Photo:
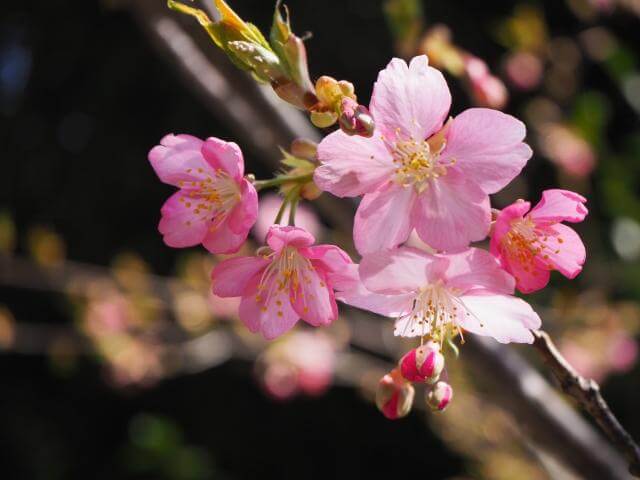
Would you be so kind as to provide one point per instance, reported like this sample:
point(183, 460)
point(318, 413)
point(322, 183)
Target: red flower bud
point(423, 364)
point(439, 396)
point(355, 119)
point(394, 396)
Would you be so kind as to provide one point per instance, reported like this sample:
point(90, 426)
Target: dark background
point(83, 97)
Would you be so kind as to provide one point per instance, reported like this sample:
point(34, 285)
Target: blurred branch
point(587, 393)
point(261, 122)
point(551, 424)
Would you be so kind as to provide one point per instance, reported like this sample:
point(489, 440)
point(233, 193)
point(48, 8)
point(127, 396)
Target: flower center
point(212, 197)
point(527, 245)
point(434, 313)
point(283, 279)
point(418, 162)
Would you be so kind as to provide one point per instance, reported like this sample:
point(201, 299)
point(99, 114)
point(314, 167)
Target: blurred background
point(117, 363)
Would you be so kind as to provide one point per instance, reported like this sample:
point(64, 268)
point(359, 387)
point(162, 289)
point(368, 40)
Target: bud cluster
point(425, 365)
point(337, 102)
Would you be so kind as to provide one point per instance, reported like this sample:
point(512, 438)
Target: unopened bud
point(323, 119)
point(355, 119)
point(303, 148)
point(439, 396)
point(263, 62)
point(328, 90)
point(423, 364)
point(394, 396)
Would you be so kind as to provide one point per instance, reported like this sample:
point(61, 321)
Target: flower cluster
point(422, 171)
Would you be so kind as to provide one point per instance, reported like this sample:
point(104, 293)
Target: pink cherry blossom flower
point(303, 362)
point(417, 173)
point(487, 89)
point(288, 280)
point(215, 205)
point(529, 244)
point(440, 295)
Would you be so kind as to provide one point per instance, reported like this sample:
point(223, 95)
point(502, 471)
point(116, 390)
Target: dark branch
point(587, 393)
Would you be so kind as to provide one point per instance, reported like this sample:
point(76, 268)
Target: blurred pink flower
point(290, 279)
point(622, 352)
point(524, 70)
point(436, 294)
point(306, 218)
point(215, 205)
point(415, 172)
point(302, 362)
point(487, 89)
point(529, 244)
point(567, 150)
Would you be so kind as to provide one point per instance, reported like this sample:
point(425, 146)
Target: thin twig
point(587, 393)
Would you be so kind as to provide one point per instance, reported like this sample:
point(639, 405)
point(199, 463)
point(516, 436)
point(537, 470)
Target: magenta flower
point(417, 173)
point(215, 206)
point(530, 245)
point(441, 295)
point(288, 280)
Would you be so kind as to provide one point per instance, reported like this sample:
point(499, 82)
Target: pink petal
point(379, 223)
point(279, 237)
point(559, 205)
point(503, 317)
point(245, 213)
point(565, 250)
point(350, 290)
point(534, 278)
point(223, 155)
point(221, 239)
point(314, 300)
point(400, 271)
point(179, 225)
point(487, 146)
point(328, 257)
point(230, 277)
point(502, 225)
point(414, 99)
point(178, 158)
point(352, 165)
point(476, 269)
point(272, 315)
point(451, 213)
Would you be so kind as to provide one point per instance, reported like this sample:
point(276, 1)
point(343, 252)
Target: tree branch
point(587, 393)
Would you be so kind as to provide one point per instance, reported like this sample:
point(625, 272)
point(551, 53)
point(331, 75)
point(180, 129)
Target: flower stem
point(294, 206)
point(280, 180)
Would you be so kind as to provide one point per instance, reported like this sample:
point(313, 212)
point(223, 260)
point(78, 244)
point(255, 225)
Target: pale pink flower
point(215, 206)
point(288, 280)
point(529, 244)
point(524, 70)
point(270, 204)
point(414, 173)
point(487, 89)
point(302, 362)
point(440, 295)
point(570, 152)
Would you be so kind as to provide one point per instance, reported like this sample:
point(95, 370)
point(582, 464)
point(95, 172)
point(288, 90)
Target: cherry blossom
point(529, 244)
point(215, 205)
point(418, 172)
point(289, 279)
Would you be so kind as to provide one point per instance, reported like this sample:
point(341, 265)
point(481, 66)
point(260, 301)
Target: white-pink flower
point(529, 244)
point(215, 206)
point(439, 295)
point(415, 172)
point(288, 280)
